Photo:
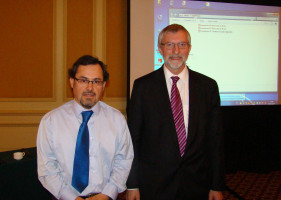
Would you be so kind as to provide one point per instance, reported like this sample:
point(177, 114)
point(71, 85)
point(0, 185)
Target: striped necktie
point(177, 110)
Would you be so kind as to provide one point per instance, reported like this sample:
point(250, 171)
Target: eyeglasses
point(85, 82)
point(170, 45)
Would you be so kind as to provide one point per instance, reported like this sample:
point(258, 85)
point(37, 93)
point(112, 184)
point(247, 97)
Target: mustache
point(87, 93)
point(175, 56)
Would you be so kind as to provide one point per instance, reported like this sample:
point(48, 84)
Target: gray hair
point(173, 28)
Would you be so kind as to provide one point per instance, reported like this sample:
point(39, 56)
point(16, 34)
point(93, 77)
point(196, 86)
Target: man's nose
point(90, 85)
point(176, 49)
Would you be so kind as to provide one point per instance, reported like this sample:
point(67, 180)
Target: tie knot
point(175, 79)
point(86, 115)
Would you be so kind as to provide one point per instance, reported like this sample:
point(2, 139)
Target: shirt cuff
point(110, 190)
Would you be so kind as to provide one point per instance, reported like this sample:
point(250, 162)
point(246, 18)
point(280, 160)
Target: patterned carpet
point(253, 186)
point(250, 186)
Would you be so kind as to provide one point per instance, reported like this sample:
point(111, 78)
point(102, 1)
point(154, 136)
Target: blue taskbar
point(241, 99)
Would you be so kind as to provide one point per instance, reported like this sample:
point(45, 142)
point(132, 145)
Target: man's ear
point(160, 50)
point(104, 83)
point(189, 48)
point(71, 82)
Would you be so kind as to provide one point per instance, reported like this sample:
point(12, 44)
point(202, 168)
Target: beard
point(175, 64)
point(87, 103)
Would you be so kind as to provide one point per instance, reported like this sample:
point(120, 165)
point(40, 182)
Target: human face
point(87, 95)
point(174, 58)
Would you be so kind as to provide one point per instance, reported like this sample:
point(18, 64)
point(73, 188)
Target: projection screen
point(236, 44)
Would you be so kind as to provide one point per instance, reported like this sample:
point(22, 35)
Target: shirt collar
point(183, 75)
point(78, 109)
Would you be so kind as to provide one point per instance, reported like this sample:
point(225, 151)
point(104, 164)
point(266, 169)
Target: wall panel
point(14, 140)
point(26, 51)
point(39, 41)
point(116, 47)
point(79, 32)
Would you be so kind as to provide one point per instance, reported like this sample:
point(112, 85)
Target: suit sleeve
point(216, 141)
point(135, 120)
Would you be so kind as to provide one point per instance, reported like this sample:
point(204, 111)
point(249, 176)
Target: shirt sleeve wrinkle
point(49, 171)
point(123, 159)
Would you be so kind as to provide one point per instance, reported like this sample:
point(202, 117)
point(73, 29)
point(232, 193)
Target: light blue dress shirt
point(111, 151)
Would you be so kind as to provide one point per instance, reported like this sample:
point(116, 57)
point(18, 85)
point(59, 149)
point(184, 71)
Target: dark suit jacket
point(158, 169)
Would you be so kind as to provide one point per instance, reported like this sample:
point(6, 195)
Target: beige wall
point(39, 42)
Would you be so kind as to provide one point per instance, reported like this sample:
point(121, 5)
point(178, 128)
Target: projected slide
point(235, 44)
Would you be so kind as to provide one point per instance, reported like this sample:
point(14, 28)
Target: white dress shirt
point(183, 87)
point(110, 150)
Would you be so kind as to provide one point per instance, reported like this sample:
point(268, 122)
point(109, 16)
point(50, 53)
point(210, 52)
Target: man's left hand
point(215, 195)
point(99, 197)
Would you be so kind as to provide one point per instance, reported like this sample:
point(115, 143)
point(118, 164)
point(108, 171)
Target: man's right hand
point(133, 194)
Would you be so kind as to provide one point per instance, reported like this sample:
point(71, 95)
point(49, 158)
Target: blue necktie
point(80, 176)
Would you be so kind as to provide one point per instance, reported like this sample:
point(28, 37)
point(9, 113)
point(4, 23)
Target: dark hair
point(88, 60)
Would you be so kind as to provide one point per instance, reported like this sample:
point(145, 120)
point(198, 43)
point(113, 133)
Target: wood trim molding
point(17, 118)
point(64, 55)
point(13, 125)
point(53, 99)
point(23, 113)
point(100, 30)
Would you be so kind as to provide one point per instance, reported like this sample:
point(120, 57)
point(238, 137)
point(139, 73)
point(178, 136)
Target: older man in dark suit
point(174, 120)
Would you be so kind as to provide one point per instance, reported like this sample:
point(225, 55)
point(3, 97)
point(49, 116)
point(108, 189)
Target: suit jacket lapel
point(193, 98)
point(163, 97)
point(165, 104)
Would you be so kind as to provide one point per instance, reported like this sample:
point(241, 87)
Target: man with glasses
point(174, 121)
point(84, 147)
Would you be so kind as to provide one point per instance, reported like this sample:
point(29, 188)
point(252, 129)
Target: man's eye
point(99, 82)
point(169, 44)
point(182, 44)
point(84, 81)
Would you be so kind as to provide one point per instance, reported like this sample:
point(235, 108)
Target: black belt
point(91, 195)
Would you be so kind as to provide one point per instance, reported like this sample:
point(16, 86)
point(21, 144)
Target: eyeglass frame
point(84, 81)
point(174, 45)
